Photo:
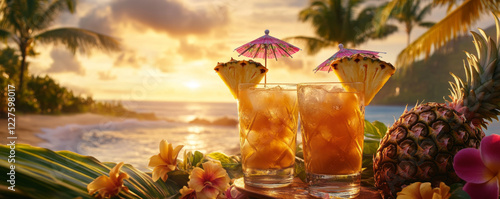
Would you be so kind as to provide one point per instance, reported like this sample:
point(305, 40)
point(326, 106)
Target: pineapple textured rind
point(358, 68)
point(420, 146)
point(235, 72)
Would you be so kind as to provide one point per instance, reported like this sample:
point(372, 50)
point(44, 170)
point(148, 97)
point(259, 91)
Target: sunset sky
point(170, 47)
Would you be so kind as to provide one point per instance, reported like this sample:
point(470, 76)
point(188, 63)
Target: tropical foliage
point(411, 15)
point(27, 22)
point(460, 15)
point(335, 21)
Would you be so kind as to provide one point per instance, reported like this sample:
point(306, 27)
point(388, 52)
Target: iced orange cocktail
point(332, 125)
point(268, 115)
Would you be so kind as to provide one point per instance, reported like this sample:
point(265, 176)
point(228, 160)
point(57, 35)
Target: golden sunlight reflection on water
point(193, 141)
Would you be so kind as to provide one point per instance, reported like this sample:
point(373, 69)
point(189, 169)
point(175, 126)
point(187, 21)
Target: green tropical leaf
point(179, 177)
point(300, 169)
point(223, 158)
point(375, 129)
point(230, 163)
point(42, 173)
point(367, 170)
point(374, 132)
point(197, 158)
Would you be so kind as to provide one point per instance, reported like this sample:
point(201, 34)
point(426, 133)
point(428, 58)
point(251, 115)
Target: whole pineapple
point(421, 144)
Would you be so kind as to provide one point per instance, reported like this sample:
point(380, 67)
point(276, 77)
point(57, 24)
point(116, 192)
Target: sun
point(192, 84)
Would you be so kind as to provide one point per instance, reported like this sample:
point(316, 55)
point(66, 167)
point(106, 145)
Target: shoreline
point(28, 126)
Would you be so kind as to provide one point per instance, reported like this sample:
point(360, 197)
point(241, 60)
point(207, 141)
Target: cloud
point(98, 20)
point(190, 51)
point(65, 62)
point(218, 51)
point(199, 50)
point(106, 75)
point(129, 58)
point(169, 16)
point(167, 62)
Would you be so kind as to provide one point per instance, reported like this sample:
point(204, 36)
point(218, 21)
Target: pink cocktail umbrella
point(325, 66)
point(267, 47)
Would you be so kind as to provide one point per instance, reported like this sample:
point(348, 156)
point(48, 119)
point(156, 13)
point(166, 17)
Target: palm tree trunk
point(408, 33)
point(22, 47)
point(21, 74)
point(408, 39)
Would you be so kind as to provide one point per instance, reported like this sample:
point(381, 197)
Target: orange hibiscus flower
point(165, 161)
point(106, 187)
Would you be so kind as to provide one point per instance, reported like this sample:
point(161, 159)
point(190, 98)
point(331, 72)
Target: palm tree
point(333, 23)
point(26, 22)
point(456, 21)
point(410, 14)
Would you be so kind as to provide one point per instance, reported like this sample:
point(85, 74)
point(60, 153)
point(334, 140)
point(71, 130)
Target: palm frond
point(12, 15)
point(384, 15)
point(46, 17)
point(42, 173)
point(457, 21)
point(78, 39)
point(426, 24)
point(426, 10)
point(450, 3)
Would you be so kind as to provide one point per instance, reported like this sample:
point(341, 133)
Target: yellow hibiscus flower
point(106, 187)
point(210, 181)
point(165, 161)
point(419, 190)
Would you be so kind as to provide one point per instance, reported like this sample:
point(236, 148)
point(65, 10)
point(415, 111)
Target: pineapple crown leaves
point(478, 98)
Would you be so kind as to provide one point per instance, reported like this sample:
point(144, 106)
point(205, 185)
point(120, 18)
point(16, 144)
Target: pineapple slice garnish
point(370, 70)
point(235, 72)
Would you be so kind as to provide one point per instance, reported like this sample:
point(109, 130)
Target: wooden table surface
point(297, 189)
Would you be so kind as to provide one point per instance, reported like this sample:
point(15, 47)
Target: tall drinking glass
point(268, 115)
point(332, 125)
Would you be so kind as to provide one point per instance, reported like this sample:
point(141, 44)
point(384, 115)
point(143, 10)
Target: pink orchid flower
point(233, 193)
point(480, 168)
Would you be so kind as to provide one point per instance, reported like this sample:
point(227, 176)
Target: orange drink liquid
point(268, 117)
point(332, 125)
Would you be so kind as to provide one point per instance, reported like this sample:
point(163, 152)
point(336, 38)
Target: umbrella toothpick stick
point(265, 65)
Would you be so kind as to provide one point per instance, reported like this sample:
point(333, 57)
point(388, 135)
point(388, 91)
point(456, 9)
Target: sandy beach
point(28, 126)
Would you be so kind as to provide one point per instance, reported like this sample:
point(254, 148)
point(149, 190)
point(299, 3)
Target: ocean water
point(134, 142)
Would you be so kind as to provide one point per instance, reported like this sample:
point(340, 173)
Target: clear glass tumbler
point(268, 119)
point(332, 125)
